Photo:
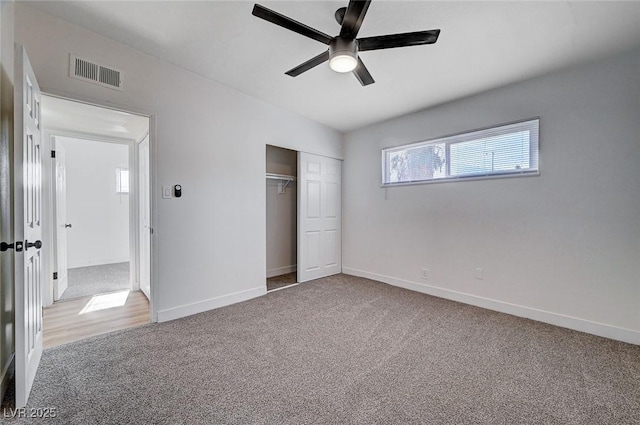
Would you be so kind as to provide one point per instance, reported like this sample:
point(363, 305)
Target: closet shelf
point(280, 177)
point(284, 180)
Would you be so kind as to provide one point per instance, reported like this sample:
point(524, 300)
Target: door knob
point(5, 246)
point(67, 226)
point(36, 244)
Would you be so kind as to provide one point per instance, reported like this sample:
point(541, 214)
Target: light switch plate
point(166, 192)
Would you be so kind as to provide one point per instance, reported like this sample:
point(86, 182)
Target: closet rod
point(280, 177)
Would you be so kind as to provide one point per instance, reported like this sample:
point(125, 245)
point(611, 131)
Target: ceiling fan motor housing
point(343, 54)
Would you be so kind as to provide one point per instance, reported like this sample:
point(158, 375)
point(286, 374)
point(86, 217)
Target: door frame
point(49, 192)
point(51, 134)
point(50, 293)
point(139, 198)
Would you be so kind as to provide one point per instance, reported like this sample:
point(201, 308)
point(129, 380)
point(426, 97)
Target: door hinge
point(55, 275)
point(53, 154)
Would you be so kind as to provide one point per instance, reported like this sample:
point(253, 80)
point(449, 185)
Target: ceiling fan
point(343, 48)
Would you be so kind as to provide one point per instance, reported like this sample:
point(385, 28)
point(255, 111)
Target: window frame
point(119, 186)
point(466, 136)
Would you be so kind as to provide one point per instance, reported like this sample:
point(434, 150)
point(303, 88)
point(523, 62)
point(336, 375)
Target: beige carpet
point(93, 280)
point(342, 350)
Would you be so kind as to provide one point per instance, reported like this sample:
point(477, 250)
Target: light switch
point(166, 192)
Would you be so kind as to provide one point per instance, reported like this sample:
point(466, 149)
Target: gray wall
point(210, 243)
point(563, 247)
point(99, 215)
point(6, 230)
point(281, 213)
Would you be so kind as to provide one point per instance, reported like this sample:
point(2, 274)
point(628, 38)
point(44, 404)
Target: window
point(122, 180)
point(505, 150)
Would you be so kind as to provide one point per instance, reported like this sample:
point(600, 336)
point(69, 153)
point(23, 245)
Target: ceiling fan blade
point(398, 40)
point(288, 23)
point(362, 74)
point(322, 57)
point(353, 18)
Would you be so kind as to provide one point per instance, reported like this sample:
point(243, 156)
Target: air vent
point(85, 70)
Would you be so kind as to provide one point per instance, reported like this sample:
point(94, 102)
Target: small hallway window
point(122, 180)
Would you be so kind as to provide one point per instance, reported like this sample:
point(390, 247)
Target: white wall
point(99, 215)
point(210, 243)
point(6, 229)
point(281, 213)
point(563, 247)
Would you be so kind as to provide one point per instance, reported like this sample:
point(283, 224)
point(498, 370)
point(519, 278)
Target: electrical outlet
point(479, 273)
point(425, 274)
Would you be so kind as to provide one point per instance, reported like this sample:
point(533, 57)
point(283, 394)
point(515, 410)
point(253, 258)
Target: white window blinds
point(497, 151)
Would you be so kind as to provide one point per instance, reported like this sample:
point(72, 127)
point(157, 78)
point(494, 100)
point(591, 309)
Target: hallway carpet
point(93, 280)
point(342, 350)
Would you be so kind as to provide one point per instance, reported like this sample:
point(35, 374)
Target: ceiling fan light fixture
point(343, 55)
point(343, 63)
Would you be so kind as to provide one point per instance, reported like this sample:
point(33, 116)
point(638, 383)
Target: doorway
point(32, 214)
point(99, 203)
point(92, 218)
point(281, 220)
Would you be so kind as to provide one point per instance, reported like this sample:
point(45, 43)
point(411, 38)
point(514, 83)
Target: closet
point(281, 220)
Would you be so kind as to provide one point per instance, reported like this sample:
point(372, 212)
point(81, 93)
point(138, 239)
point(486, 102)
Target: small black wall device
point(177, 191)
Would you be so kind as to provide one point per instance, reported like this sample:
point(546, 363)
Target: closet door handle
point(36, 244)
point(67, 226)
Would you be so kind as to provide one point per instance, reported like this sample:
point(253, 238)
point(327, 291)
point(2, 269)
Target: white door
point(319, 216)
point(145, 222)
point(62, 227)
point(28, 226)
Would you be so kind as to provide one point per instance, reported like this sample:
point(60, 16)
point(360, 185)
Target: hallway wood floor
point(68, 321)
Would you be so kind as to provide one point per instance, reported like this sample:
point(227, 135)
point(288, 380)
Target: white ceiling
point(89, 120)
point(482, 45)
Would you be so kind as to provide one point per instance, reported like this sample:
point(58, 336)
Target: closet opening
point(281, 220)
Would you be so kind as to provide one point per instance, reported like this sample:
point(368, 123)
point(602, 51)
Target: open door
point(319, 216)
point(145, 220)
point(61, 226)
point(27, 209)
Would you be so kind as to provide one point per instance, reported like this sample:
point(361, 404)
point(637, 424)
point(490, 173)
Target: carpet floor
point(342, 350)
point(93, 280)
point(281, 281)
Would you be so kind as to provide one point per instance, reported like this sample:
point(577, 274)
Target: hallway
point(72, 320)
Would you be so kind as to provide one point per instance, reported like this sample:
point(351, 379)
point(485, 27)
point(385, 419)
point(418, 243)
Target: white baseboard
point(582, 325)
point(90, 263)
point(7, 374)
point(281, 270)
point(210, 304)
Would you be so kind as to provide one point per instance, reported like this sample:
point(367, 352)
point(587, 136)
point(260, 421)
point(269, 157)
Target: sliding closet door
point(319, 216)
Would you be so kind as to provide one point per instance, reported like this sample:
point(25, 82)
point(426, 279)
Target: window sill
point(465, 178)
